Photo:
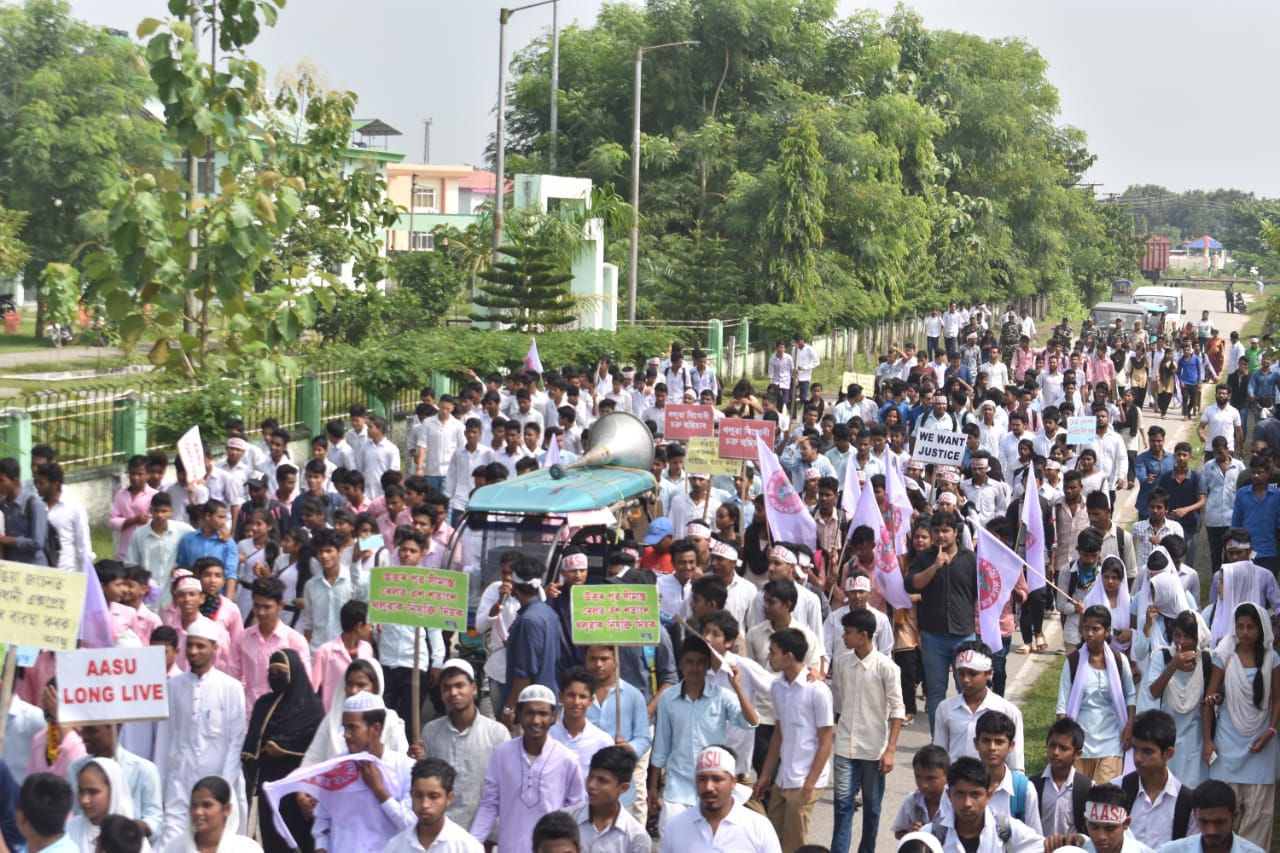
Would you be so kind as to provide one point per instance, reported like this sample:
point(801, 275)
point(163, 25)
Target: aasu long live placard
point(412, 595)
point(615, 615)
point(40, 607)
point(682, 420)
point(738, 437)
point(117, 685)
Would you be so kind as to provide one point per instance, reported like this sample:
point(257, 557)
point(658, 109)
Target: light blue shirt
point(635, 723)
point(684, 728)
point(1097, 712)
point(1191, 844)
point(395, 647)
point(144, 787)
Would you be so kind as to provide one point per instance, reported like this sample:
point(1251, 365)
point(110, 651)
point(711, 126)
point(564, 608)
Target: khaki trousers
point(789, 811)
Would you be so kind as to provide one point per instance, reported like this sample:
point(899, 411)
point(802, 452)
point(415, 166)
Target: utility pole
point(426, 140)
point(555, 82)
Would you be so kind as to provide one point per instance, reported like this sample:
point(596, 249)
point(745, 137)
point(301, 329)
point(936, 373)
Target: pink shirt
point(126, 505)
point(253, 656)
point(1020, 363)
point(71, 748)
point(1101, 370)
point(223, 659)
point(329, 671)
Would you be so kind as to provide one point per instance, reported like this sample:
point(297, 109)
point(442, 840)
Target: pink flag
point(849, 496)
point(96, 631)
point(531, 360)
point(895, 490)
point(888, 577)
point(998, 571)
point(553, 452)
point(1033, 520)
point(789, 520)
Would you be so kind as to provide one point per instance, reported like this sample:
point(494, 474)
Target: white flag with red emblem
point(888, 576)
point(553, 452)
point(851, 491)
point(998, 571)
point(789, 519)
point(531, 360)
point(899, 504)
point(1033, 520)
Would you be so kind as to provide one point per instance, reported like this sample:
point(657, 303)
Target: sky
point(1175, 93)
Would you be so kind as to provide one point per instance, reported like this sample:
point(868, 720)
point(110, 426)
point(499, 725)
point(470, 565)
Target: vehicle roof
point(580, 489)
point(1157, 290)
point(1126, 307)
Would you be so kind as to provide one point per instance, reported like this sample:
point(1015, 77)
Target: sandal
point(1041, 644)
point(1022, 649)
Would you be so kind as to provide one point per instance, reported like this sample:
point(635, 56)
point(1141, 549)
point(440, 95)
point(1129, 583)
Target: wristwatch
point(508, 712)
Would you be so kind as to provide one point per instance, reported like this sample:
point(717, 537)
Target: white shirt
point(808, 610)
point(1056, 817)
point(1002, 801)
point(232, 489)
point(683, 510)
point(1152, 822)
point(440, 440)
point(25, 721)
point(998, 373)
point(741, 593)
point(1222, 421)
point(990, 500)
point(1022, 838)
point(585, 745)
point(740, 831)
point(671, 595)
point(1113, 457)
point(375, 460)
point(1234, 354)
point(202, 737)
point(624, 835)
point(452, 839)
point(69, 522)
point(374, 826)
point(806, 360)
point(952, 321)
point(833, 633)
point(933, 327)
point(800, 707)
point(954, 724)
point(869, 691)
point(458, 482)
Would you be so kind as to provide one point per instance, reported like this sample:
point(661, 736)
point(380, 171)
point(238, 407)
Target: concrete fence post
point(15, 436)
point(129, 427)
point(310, 405)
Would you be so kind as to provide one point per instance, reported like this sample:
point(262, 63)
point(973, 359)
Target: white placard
point(191, 452)
point(112, 685)
point(1082, 429)
point(939, 447)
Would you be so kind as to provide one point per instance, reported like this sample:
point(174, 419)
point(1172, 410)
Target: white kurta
point(202, 737)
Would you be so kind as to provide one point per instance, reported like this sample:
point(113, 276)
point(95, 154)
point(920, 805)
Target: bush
point(207, 407)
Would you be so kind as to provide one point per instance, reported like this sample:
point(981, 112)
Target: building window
point(424, 197)
point(422, 241)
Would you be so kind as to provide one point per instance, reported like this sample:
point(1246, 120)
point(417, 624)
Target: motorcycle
point(59, 334)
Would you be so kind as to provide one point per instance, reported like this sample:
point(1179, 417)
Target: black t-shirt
point(970, 845)
point(947, 603)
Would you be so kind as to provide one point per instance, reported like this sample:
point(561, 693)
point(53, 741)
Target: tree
point(428, 283)
point(529, 292)
point(283, 171)
point(794, 223)
point(13, 252)
point(73, 118)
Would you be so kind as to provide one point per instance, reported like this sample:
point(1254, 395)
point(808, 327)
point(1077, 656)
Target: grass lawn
point(1038, 713)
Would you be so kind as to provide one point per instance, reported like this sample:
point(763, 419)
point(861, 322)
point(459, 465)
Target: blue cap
point(659, 529)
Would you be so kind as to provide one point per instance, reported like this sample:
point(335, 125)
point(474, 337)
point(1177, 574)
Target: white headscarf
point(83, 833)
point(1239, 584)
point(329, 741)
point(1248, 719)
point(1182, 697)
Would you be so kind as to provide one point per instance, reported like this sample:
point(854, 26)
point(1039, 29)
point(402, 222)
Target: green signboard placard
point(615, 615)
point(412, 595)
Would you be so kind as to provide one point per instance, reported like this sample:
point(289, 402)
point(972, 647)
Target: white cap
point(537, 693)
point(363, 701)
point(205, 629)
point(460, 665)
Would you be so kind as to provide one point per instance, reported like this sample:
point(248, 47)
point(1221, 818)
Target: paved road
point(1023, 669)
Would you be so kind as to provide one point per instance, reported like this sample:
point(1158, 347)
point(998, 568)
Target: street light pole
point(500, 150)
point(632, 272)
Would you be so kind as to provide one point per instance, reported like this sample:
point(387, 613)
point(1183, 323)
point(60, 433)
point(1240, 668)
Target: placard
point(40, 607)
point(117, 685)
point(1082, 429)
point(412, 595)
point(737, 439)
point(685, 420)
point(191, 452)
point(849, 378)
point(939, 447)
point(615, 615)
point(703, 457)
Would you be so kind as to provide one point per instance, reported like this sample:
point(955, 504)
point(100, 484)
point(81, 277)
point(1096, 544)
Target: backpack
point(52, 545)
point(1003, 831)
point(1018, 806)
point(1081, 785)
point(1181, 806)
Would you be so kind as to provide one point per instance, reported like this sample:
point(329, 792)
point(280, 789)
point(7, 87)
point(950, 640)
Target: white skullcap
point(358, 703)
point(205, 629)
point(537, 693)
point(460, 665)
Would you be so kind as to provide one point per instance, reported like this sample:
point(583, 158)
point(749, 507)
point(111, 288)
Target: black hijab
point(289, 716)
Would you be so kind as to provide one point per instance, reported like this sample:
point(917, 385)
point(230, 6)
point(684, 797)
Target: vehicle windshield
point(1168, 303)
point(1107, 317)
point(482, 539)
